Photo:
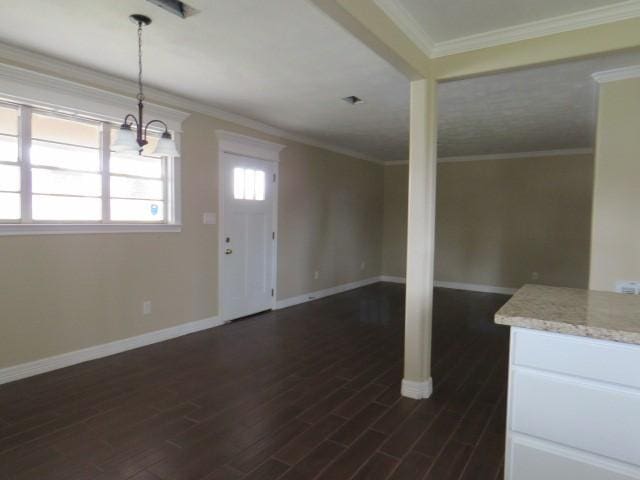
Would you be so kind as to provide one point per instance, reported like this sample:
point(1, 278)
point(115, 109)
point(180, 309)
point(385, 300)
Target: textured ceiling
point(446, 20)
point(546, 108)
point(282, 62)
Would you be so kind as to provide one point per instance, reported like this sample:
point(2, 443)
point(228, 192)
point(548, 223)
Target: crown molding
point(616, 74)
point(505, 156)
point(526, 31)
point(56, 68)
point(408, 24)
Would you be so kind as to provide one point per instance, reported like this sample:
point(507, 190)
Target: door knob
point(228, 251)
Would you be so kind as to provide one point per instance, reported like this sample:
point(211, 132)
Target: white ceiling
point(282, 62)
point(445, 20)
point(446, 27)
point(286, 64)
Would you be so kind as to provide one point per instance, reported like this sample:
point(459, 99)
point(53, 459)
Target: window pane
point(249, 184)
point(238, 183)
point(66, 183)
point(55, 129)
point(66, 208)
point(9, 206)
point(260, 185)
point(9, 178)
point(123, 187)
point(136, 165)
point(8, 149)
point(63, 156)
point(9, 120)
point(137, 211)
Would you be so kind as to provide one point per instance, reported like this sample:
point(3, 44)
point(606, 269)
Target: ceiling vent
point(353, 100)
point(176, 7)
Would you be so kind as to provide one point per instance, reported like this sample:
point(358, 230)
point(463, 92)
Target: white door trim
point(235, 143)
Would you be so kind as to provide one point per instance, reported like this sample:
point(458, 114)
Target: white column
point(417, 381)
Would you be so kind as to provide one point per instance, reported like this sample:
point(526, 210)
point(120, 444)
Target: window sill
point(91, 228)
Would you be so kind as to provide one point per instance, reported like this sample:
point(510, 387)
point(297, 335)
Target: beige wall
point(498, 221)
point(616, 223)
point(394, 245)
point(61, 293)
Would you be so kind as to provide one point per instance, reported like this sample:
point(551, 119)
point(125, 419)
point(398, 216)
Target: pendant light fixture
point(129, 140)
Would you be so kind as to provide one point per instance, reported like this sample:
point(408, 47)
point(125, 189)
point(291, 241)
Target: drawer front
point(597, 418)
point(599, 360)
point(541, 461)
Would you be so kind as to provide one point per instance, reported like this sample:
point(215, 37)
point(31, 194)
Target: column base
point(417, 390)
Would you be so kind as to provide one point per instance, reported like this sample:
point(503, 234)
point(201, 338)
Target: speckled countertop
point(586, 313)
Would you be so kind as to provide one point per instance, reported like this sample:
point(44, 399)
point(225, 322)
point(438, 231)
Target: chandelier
point(132, 136)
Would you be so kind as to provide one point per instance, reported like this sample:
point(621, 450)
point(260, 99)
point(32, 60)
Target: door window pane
point(238, 183)
point(8, 120)
point(248, 184)
point(63, 130)
point(136, 165)
point(137, 210)
point(260, 185)
point(66, 183)
point(9, 178)
point(9, 206)
point(8, 149)
point(65, 156)
point(125, 187)
point(47, 207)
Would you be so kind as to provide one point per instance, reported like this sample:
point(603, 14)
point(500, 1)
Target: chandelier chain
point(141, 93)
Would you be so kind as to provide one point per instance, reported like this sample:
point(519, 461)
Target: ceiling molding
point(505, 156)
point(526, 31)
point(624, 73)
point(408, 24)
point(39, 63)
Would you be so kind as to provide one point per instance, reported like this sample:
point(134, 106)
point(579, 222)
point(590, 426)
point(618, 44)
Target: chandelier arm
point(146, 127)
point(134, 120)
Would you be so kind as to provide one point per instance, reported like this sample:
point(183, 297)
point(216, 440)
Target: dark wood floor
point(310, 392)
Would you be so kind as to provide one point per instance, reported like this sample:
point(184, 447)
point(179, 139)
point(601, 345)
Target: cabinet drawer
point(536, 460)
point(599, 360)
point(597, 418)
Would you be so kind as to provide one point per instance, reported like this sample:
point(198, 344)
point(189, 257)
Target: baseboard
point(474, 287)
point(417, 390)
point(24, 370)
point(391, 279)
point(308, 297)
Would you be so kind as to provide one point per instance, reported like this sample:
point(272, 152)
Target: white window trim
point(37, 90)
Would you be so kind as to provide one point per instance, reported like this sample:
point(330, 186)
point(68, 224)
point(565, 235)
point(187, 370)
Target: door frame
point(238, 144)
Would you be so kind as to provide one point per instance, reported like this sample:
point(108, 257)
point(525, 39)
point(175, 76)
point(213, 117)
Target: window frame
point(27, 225)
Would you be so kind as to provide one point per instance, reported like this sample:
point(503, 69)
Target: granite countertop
point(586, 313)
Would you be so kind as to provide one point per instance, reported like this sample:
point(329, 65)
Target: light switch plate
point(209, 218)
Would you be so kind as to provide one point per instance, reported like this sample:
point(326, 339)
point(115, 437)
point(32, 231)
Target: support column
point(417, 381)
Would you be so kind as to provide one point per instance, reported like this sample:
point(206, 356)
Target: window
point(57, 169)
point(248, 184)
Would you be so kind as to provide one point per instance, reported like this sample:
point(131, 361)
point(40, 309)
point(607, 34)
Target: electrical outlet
point(146, 307)
point(316, 275)
point(363, 265)
point(535, 276)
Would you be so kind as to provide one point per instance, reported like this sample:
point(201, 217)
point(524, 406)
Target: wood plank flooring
point(310, 392)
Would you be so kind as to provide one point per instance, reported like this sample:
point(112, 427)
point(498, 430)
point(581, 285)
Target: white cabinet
point(574, 408)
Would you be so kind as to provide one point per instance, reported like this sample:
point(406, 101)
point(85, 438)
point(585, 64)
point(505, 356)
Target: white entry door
point(247, 236)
